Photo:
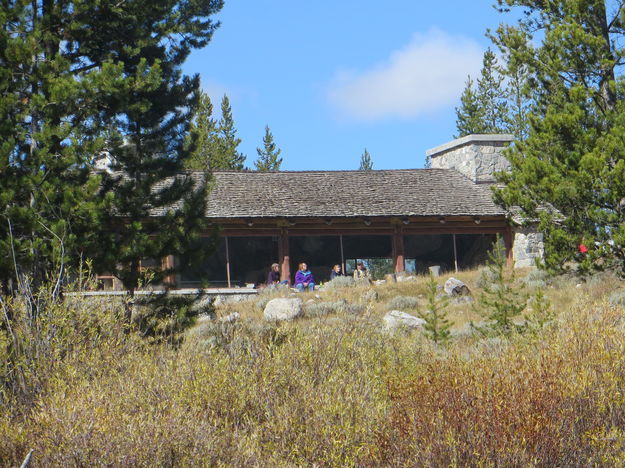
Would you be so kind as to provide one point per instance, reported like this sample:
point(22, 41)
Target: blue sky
point(332, 78)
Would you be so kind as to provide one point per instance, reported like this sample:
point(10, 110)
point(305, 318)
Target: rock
point(379, 282)
point(397, 319)
point(435, 270)
point(403, 279)
point(455, 287)
point(230, 318)
point(281, 309)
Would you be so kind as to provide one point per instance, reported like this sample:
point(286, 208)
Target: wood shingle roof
point(405, 192)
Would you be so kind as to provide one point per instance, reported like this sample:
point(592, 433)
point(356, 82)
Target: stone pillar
point(283, 254)
point(528, 246)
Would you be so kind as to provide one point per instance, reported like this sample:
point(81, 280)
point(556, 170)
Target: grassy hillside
point(329, 389)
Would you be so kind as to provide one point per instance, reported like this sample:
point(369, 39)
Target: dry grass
point(334, 390)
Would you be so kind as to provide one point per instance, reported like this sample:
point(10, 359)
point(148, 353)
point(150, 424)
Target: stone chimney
point(477, 157)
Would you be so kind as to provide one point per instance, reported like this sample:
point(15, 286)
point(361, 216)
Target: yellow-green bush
point(333, 390)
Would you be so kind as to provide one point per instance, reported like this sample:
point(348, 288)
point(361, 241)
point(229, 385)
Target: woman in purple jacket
point(304, 278)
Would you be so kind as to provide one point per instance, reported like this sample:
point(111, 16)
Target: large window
point(376, 252)
point(251, 259)
point(423, 251)
point(209, 273)
point(248, 258)
point(320, 253)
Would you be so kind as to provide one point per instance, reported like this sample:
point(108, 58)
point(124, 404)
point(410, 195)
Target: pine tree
point(71, 90)
point(568, 174)
point(470, 114)
point(161, 208)
point(366, 164)
point(436, 325)
point(204, 128)
point(226, 156)
point(500, 302)
point(268, 155)
point(491, 95)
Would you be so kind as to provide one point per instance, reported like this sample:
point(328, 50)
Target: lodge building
point(396, 220)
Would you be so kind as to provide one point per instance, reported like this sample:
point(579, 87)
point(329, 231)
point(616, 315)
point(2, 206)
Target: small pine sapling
point(500, 302)
point(436, 325)
point(541, 312)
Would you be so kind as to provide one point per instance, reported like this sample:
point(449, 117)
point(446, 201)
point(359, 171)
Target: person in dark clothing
point(273, 277)
point(336, 271)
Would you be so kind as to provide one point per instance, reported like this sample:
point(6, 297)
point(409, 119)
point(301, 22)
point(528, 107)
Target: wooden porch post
point(283, 253)
point(167, 263)
point(398, 250)
point(508, 241)
point(455, 254)
point(227, 261)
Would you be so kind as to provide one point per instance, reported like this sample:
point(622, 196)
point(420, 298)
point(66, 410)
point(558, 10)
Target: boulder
point(282, 308)
point(396, 319)
point(455, 287)
point(404, 278)
point(435, 270)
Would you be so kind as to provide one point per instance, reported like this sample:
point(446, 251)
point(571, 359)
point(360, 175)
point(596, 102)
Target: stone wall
point(477, 157)
point(528, 246)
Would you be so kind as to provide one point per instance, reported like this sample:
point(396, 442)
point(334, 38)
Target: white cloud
point(426, 75)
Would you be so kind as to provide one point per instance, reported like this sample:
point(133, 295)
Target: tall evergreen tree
point(570, 171)
point(470, 114)
point(268, 159)
point(226, 155)
point(204, 128)
point(491, 95)
point(366, 164)
point(72, 89)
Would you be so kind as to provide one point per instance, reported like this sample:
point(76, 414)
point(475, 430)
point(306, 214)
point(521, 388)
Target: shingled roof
point(406, 192)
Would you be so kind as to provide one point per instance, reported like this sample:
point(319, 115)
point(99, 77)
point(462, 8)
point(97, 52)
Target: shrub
point(403, 303)
point(339, 282)
point(321, 309)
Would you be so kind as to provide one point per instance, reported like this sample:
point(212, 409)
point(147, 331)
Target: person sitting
point(273, 277)
point(304, 278)
point(336, 271)
point(361, 271)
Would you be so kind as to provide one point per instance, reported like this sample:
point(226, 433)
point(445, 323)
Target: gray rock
point(455, 287)
point(403, 279)
point(396, 319)
point(281, 309)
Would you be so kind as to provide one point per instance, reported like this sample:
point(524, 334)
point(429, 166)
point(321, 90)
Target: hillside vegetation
point(329, 389)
